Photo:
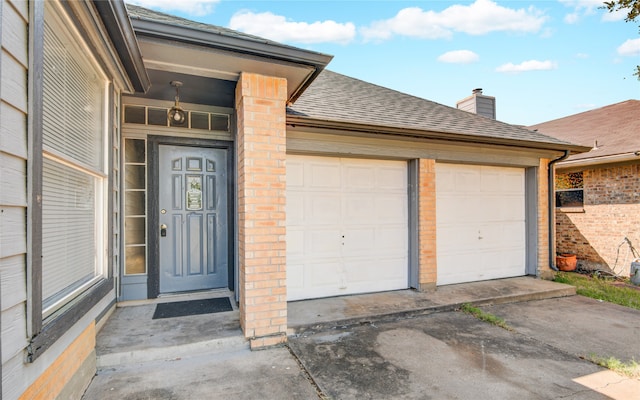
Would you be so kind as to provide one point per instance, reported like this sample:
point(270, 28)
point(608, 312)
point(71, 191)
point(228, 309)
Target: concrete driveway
point(452, 355)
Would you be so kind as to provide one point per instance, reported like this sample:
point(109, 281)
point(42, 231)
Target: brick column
point(544, 269)
point(428, 268)
point(261, 142)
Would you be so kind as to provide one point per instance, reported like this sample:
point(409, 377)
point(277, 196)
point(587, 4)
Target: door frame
point(153, 211)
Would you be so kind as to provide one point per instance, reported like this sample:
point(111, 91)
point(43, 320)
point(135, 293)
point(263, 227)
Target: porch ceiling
point(195, 89)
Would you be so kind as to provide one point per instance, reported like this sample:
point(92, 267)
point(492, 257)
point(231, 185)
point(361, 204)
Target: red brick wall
point(427, 275)
point(544, 269)
point(611, 212)
point(260, 107)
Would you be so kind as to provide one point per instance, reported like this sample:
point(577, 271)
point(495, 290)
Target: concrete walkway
point(347, 310)
point(206, 356)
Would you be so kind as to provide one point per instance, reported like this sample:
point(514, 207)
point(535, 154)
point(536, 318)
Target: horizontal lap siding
point(13, 191)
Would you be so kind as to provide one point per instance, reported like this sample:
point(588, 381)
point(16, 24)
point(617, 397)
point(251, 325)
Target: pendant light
point(176, 115)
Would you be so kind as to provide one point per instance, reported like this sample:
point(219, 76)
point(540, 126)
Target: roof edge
point(242, 45)
point(299, 121)
point(118, 25)
point(611, 159)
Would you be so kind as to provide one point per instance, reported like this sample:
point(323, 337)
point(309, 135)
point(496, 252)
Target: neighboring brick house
point(598, 192)
point(144, 155)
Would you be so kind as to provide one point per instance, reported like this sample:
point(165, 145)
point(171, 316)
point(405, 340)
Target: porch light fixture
point(176, 114)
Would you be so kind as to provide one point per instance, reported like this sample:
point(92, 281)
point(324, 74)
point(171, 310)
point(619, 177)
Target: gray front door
point(193, 218)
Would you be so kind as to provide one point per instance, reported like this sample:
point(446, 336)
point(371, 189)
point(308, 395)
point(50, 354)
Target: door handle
point(163, 230)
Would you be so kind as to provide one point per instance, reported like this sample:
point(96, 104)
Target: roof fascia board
point(89, 24)
point(587, 162)
point(313, 125)
point(236, 44)
point(116, 21)
point(269, 50)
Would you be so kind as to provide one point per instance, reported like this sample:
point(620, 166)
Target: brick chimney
point(479, 104)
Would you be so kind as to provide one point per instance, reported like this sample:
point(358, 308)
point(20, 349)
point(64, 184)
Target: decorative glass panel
point(136, 260)
point(220, 122)
point(199, 120)
point(194, 192)
point(134, 151)
point(134, 114)
point(157, 116)
point(135, 203)
point(135, 177)
point(135, 230)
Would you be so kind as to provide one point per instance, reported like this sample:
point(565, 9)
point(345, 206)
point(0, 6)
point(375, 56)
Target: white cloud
point(531, 65)
point(588, 7)
point(478, 18)
point(582, 55)
point(571, 18)
point(614, 16)
point(630, 48)
point(278, 28)
point(192, 7)
point(459, 57)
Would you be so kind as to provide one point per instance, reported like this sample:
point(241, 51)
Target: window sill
point(570, 210)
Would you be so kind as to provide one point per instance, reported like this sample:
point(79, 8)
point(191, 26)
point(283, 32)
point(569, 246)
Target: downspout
point(552, 210)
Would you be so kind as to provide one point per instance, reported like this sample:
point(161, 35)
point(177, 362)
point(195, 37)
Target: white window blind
point(73, 211)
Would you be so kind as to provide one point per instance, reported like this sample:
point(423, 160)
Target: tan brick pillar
point(544, 269)
point(428, 268)
point(260, 107)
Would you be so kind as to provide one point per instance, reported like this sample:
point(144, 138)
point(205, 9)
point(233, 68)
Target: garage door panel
point(358, 176)
point(351, 233)
point(295, 174)
point(321, 243)
point(391, 178)
point(320, 209)
point(323, 174)
point(295, 209)
point(357, 209)
point(480, 226)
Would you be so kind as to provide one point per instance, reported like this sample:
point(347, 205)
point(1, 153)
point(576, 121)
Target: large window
point(74, 178)
point(569, 189)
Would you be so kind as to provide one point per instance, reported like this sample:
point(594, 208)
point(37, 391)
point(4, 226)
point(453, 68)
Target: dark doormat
point(192, 307)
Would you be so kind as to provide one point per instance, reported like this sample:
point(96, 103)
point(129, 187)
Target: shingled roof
point(615, 127)
point(337, 98)
point(141, 13)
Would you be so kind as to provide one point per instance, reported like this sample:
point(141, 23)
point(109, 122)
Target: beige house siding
point(610, 213)
point(13, 189)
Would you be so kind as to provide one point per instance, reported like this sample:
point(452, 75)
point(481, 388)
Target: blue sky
point(542, 60)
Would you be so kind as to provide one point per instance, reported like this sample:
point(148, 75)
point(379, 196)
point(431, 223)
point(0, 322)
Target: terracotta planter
point(566, 262)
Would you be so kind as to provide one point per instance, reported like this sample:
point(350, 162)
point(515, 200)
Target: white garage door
point(347, 226)
point(480, 219)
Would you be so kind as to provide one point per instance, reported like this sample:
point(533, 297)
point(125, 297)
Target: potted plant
point(566, 262)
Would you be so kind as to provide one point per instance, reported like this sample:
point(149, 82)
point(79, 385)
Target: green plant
point(484, 316)
point(601, 289)
point(630, 369)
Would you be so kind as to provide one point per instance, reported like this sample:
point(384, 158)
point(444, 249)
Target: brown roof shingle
point(339, 98)
point(615, 127)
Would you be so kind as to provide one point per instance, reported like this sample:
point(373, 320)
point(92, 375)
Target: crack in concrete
point(321, 394)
